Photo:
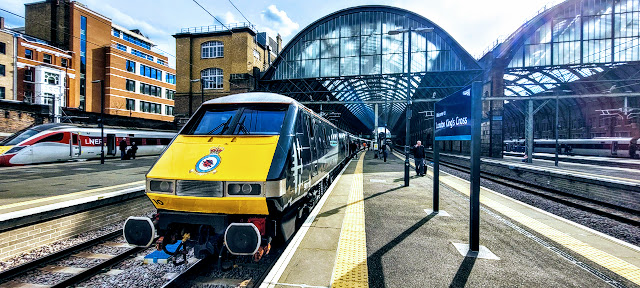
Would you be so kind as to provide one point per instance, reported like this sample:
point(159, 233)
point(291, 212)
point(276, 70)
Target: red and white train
point(63, 142)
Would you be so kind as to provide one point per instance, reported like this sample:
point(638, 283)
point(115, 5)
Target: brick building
point(7, 63)
point(138, 81)
point(226, 59)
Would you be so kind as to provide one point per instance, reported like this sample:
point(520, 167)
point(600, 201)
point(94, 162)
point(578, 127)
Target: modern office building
point(137, 80)
point(226, 59)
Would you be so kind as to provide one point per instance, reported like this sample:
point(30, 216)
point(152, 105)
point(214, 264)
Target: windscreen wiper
point(241, 126)
point(224, 126)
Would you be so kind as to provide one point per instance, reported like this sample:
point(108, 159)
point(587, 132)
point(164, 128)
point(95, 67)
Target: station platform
point(624, 162)
point(370, 231)
point(604, 171)
point(33, 189)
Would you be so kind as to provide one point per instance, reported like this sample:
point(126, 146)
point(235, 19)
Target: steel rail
point(29, 266)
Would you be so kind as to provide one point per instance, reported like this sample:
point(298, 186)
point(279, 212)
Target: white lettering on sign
point(92, 141)
point(440, 114)
point(452, 122)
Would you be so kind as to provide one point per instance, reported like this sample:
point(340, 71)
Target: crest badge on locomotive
point(208, 163)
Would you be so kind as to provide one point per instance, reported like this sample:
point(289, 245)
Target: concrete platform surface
point(25, 187)
point(407, 246)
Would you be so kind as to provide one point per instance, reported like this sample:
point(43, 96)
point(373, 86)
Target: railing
point(217, 28)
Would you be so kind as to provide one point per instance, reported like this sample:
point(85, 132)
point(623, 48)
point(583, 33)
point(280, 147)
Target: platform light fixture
point(408, 109)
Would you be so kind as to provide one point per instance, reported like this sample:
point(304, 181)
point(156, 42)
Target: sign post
point(458, 117)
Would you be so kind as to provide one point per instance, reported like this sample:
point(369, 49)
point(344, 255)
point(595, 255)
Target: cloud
point(278, 21)
point(226, 18)
point(125, 20)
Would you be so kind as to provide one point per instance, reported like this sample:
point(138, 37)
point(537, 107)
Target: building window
point(3, 48)
point(256, 54)
point(47, 58)
point(141, 55)
point(170, 94)
point(151, 72)
point(150, 90)
point(171, 78)
point(212, 49)
point(65, 62)
point(2, 93)
point(83, 62)
point(131, 85)
point(28, 54)
point(116, 33)
point(131, 66)
point(169, 110)
point(121, 47)
point(160, 61)
point(134, 40)
point(28, 75)
point(51, 78)
point(131, 104)
point(2, 72)
point(212, 78)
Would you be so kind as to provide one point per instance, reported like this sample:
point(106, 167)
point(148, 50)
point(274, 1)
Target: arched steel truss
point(440, 66)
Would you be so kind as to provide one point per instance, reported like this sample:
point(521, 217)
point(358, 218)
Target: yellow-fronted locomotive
point(241, 172)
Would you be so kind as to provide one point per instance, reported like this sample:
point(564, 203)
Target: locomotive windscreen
point(238, 119)
point(15, 139)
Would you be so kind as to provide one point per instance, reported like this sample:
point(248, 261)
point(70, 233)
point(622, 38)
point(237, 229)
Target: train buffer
point(370, 231)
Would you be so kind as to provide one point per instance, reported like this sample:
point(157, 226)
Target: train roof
point(253, 97)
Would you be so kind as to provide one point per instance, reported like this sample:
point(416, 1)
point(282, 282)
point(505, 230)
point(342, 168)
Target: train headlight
point(161, 186)
point(242, 189)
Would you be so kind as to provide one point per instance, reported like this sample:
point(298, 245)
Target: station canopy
point(344, 63)
point(576, 48)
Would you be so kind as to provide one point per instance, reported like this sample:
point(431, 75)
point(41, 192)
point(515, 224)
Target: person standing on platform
point(123, 148)
point(384, 151)
point(134, 149)
point(418, 155)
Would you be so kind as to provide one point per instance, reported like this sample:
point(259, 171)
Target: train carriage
point(241, 172)
point(604, 146)
point(63, 142)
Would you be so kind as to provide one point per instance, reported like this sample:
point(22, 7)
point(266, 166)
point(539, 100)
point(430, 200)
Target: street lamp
point(201, 94)
point(101, 123)
point(408, 109)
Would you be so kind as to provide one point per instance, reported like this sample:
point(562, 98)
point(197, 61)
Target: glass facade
point(83, 62)
point(584, 32)
point(358, 44)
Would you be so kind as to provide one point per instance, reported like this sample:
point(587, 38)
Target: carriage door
point(74, 146)
point(614, 148)
point(111, 144)
point(314, 146)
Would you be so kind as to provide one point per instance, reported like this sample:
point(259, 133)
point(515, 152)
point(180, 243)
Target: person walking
point(134, 149)
point(418, 156)
point(123, 148)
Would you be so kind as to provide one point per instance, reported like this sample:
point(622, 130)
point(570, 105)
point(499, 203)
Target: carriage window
point(53, 138)
point(74, 138)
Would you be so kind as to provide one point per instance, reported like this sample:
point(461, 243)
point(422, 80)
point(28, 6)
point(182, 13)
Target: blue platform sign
point(453, 116)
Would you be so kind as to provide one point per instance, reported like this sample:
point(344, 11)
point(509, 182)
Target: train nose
point(139, 231)
point(242, 238)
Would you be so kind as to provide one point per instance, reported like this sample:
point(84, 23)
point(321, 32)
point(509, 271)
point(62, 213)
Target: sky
point(476, 25)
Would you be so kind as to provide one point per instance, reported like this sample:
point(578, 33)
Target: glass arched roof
point(349, 56)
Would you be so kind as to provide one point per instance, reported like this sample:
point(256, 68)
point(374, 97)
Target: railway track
point(68, 276)
point(617, 213)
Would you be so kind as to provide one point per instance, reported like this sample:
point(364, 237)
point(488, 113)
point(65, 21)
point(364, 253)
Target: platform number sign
point(453, 116)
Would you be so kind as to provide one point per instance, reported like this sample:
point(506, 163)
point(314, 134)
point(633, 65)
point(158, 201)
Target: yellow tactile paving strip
point(350, 269)
point(614, 264)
